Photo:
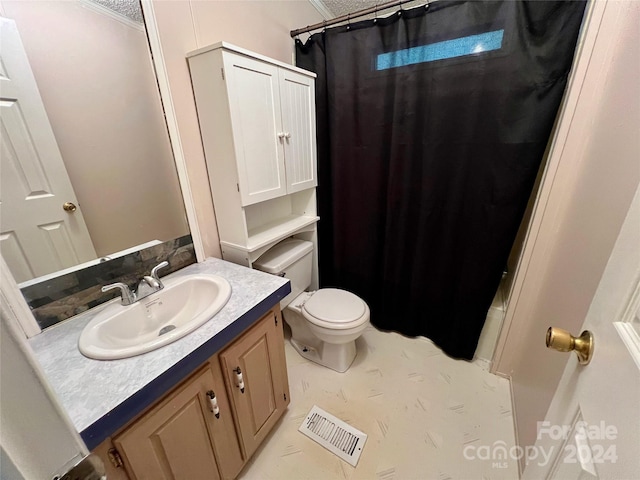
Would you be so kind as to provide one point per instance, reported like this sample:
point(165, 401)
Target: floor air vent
point(333, 434)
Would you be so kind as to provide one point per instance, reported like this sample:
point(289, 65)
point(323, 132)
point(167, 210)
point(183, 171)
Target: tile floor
point(421, 410)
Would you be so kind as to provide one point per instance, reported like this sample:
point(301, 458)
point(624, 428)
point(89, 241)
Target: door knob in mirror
point(69, 207)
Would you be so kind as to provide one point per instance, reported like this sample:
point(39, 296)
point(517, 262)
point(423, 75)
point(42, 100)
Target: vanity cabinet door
point(223, 430)
point(258, 356)
point(177, 439)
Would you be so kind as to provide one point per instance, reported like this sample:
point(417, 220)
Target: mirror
point(87, 167)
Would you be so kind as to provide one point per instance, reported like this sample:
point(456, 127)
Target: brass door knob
point(69, 207)
point(563, 341)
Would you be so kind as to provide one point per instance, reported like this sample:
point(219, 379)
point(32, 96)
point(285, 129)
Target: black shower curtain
point(425, 169)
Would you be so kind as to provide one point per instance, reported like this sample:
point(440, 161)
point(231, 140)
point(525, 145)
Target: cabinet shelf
point(275, 231)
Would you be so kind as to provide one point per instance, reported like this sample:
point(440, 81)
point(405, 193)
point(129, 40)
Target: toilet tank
point(292, 259)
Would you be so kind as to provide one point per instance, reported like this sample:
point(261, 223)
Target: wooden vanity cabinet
point(182, 438)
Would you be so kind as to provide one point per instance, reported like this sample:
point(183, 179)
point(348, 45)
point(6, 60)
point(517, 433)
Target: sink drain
point(166, 329)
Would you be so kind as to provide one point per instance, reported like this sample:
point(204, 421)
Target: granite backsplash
point(57, 299)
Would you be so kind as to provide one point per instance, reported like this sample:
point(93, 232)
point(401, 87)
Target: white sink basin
point(163, 317)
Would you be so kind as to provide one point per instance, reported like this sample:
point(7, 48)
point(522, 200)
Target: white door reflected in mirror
point(38, 237)
point(95, 77)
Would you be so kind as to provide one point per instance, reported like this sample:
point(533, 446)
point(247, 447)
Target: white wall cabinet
point(257, 121)
point(272, 114)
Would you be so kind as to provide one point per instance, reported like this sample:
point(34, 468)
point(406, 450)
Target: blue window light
point(458, 47)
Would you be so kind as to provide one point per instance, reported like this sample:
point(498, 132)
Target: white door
point(592, 428)
point(297, 95)
point(254, 102)
point(37, 235)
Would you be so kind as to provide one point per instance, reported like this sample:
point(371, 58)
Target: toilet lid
point(335, 306)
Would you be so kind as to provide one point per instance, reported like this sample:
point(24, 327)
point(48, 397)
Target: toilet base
point(338, 357)
point(334, 349)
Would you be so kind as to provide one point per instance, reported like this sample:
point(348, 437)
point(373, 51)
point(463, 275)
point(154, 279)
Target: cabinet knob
point(287, 135)
point(213, 403)
point(238, 373)
point(281, 135)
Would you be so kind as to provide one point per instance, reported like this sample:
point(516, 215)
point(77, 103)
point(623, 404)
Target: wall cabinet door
point(272, 112)
point(259, 357)
point(298, 105)
point(176, 439)
point(254, 105)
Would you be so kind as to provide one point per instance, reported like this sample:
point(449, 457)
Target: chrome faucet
point(148, 285)
point(151, 283)
point(128, 297)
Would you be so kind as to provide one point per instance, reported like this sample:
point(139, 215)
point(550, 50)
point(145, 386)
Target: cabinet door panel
point(255, 361)
point(172, 441)
point(254, 103)
point(263, 401)
point(297, 98)
point(168, 441)
point(223, 431)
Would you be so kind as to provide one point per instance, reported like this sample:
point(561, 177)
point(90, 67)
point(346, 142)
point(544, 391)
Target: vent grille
point(333, 434)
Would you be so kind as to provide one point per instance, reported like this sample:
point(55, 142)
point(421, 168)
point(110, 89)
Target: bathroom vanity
point(208, 424)
point(196, 408)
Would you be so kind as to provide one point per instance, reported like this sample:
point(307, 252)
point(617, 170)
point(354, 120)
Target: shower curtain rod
point(356, 14)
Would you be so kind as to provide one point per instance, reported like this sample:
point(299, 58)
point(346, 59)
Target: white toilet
point(325, 323)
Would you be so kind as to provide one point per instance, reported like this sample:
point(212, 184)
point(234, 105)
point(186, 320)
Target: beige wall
point(98, 86)
point(260, 26)
point(588, 197)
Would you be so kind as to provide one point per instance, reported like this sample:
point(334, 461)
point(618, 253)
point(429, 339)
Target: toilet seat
point(335, 309)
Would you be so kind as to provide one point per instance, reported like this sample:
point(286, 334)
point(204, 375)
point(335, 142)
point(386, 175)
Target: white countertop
point(100, 396)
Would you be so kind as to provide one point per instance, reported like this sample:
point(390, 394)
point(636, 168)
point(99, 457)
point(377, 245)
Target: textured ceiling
point(126, 8)
point(343, 7)
point(131, 8)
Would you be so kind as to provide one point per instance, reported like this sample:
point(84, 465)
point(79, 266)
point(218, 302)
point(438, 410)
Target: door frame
point(166, 98)
point(55, 445)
